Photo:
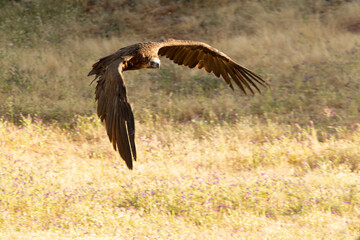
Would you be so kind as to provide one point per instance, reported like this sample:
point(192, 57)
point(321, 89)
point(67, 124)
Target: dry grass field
point(213, 164)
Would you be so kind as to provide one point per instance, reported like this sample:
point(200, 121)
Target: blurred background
point(307, 50)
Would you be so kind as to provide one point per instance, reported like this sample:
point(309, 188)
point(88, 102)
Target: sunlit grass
point(213, 164)
point(195, 180)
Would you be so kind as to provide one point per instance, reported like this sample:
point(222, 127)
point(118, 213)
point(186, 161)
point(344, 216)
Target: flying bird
point(113, 107)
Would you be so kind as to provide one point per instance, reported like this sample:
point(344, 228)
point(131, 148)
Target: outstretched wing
point(200, 55)
point(113, 107)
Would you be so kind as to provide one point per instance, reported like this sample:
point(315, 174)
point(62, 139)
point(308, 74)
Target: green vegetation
point(213, 164)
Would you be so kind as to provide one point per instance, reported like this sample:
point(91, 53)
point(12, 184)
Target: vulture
point(113, 107)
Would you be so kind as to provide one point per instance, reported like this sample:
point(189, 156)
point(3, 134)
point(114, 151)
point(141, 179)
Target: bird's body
point(113, 107)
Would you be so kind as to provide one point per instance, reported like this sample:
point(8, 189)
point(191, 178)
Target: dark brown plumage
point(113, 107)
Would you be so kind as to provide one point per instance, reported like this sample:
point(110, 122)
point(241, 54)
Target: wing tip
point(129, 164)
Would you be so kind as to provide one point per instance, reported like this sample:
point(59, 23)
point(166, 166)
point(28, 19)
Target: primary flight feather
point(113, 107)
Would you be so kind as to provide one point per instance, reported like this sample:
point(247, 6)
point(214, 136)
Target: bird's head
point(154, 63)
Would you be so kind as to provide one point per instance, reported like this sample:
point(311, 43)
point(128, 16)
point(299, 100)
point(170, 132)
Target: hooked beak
point(154, 63)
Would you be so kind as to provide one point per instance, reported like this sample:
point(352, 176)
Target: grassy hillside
point(307, 50)
point(213, 163)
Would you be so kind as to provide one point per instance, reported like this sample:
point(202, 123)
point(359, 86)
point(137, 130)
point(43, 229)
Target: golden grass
point(213, 164)
point(239, 181)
